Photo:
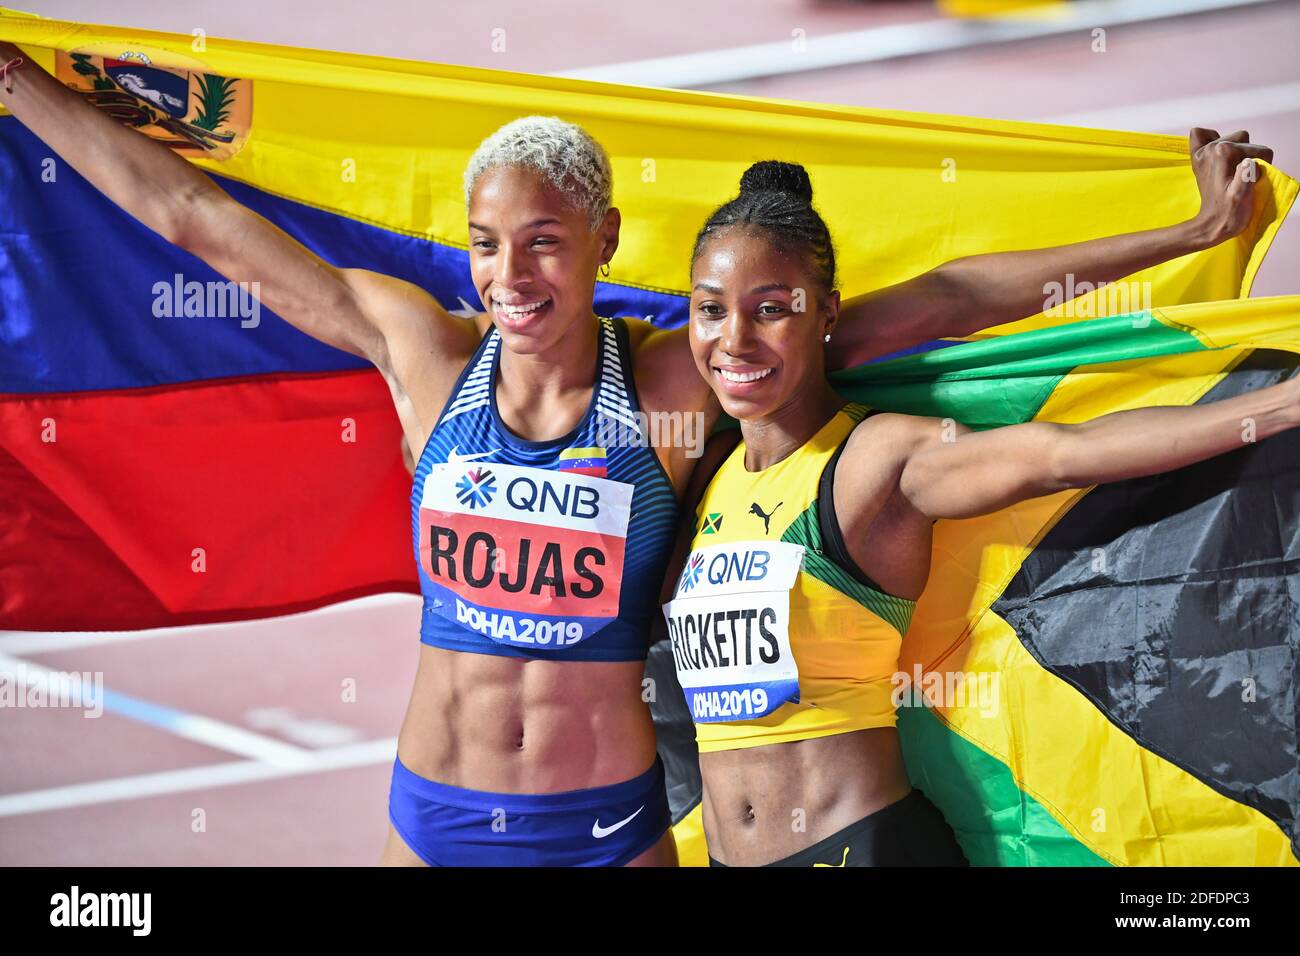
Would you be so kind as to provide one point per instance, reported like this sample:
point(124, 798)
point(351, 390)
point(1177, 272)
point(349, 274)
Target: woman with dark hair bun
point(812, 538)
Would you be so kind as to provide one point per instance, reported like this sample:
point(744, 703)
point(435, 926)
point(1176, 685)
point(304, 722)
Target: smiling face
point(534, 257)
point(755, 335)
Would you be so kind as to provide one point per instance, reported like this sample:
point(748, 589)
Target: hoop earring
point(8, 68)
point(604, 268)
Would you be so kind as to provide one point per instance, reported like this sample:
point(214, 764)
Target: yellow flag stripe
point(386, 142)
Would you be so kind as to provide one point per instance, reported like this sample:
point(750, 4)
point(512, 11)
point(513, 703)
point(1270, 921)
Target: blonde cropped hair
point(564, 153)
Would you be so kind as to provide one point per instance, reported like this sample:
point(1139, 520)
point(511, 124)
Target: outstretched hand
point(1226, 172)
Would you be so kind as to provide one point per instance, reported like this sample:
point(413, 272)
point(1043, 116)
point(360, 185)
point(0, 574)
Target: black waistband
point(907, 832)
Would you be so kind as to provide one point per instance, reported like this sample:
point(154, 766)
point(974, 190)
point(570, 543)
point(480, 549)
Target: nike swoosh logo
point(454, 456)
point(600, 832)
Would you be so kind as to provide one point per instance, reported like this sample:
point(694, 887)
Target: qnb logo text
point(731, 567)
point(542, 497)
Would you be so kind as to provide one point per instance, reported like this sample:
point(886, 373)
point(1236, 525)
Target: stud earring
point(827, 337)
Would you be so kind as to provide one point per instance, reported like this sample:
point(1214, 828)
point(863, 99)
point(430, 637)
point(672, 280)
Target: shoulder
point(425, 349)
point(716, 451)
point(415, 329)
point(666, 376)
point(893, 435)
point(638, 330)
point(875, 456)
point(651, 345)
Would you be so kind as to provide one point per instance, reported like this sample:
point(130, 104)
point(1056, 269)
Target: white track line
point(236, 740)
point(1183, 112)
point(820, 52)
point(203, 730)
point(194, 778)
point(40, 642)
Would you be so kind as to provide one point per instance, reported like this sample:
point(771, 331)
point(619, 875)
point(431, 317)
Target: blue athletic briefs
point(601, 826)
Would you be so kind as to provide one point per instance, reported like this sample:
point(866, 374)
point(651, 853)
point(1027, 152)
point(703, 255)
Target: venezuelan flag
point(583, 461)
point(165, 462)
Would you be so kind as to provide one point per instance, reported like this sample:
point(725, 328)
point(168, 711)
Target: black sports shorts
point(908, 832)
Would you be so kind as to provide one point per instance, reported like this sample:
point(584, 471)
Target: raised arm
point(952, 472)
point(976, 292)
point(361, 312)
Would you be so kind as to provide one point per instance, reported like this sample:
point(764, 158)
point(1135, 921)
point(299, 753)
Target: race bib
point(729, 623)
point(524, 556)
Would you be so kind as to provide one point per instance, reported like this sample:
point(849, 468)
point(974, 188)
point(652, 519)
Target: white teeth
point(515, 311)
point(743, 376)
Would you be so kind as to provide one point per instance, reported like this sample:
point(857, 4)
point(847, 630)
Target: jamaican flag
point(1107, 675)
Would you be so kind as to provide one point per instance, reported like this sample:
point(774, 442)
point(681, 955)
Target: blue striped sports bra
point(542, 549)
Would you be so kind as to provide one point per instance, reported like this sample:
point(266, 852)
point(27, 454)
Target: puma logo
point(754, 509)
point(844, 861)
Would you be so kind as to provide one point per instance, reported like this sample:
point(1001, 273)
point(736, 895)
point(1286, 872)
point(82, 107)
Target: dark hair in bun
point(773, 176)
point(777, 198)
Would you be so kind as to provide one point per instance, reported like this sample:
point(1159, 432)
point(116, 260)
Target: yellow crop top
point(773, 638)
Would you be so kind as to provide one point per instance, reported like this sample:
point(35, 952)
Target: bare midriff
point(508, 725)
point(762, 804)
